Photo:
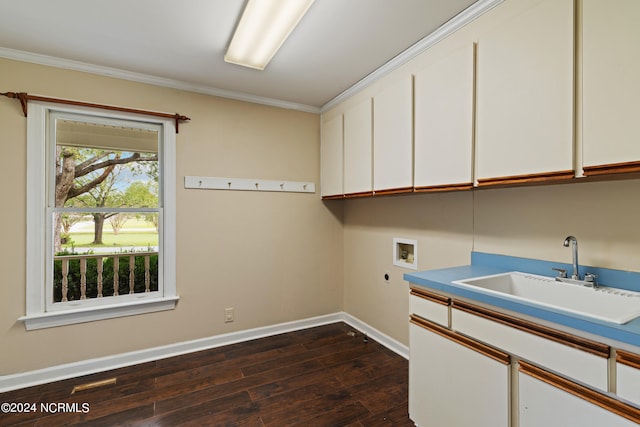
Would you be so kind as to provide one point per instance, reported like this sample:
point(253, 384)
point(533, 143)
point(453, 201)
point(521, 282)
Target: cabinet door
point(451, 384)
point(611, 87)
point(358, 149)
point(331, 157)
point(544, 399)
point(525, 97)
point(444, 122)
point(393, 137)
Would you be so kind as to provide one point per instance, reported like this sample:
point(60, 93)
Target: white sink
point(603, 303)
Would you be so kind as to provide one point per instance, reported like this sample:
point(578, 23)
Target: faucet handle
point(561, 272)
point(591, 278)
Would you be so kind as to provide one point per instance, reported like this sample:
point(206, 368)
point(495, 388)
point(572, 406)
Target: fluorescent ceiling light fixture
point(263, 28)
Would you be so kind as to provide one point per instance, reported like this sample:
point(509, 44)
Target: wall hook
point(252, 184)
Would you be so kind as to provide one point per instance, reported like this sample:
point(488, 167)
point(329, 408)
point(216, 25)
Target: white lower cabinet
point(543, 402)
point(474, 366)
point(454, 381)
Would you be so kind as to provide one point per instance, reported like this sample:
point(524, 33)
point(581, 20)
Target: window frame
point(39, 253)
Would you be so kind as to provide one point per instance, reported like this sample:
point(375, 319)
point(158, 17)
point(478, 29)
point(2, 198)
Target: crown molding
point(448, 28)
point(67, 64)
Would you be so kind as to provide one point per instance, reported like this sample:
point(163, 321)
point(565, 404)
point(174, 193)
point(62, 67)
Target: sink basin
point(603, 303)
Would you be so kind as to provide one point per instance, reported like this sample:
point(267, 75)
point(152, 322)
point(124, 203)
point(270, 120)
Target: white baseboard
point(393, 345)
point(91, 366)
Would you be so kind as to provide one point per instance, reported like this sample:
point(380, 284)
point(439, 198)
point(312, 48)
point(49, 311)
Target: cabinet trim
point(391, 191)
point(335, 197)
point(536, 178)
point(593, 347)
point(604, 401)
point(627, 358)
point(612, 168)
point(420, 293)
point(360, 194)
point(472, 344)
point(445, 187)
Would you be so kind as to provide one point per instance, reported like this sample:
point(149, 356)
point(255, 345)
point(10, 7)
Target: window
point(100, 215)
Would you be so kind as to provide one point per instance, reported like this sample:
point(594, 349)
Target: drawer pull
point(627, 358)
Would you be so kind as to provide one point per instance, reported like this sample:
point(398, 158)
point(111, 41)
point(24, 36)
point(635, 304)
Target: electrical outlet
point(228, 315)
point(387, 277)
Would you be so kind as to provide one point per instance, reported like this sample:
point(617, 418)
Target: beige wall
point(530, 222)
point(275, 257)
point(442, 224)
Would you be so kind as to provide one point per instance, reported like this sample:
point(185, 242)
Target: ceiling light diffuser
point(263, 28)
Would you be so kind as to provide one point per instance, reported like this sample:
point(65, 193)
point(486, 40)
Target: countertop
point(483, 264)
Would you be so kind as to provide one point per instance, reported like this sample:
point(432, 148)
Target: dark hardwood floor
point(322, 376)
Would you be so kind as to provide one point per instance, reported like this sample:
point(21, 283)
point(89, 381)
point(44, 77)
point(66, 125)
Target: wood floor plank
point(294, 404)
point(311, 409)
point(218, 375)
point(322, 376)
point(291, 384)
point(338, 416)
point(397, 416)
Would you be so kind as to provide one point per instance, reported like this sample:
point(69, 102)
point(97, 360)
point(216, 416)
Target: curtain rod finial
point(21, 96)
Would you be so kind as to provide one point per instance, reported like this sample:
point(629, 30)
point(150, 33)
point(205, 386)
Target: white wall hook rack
point(243, 184)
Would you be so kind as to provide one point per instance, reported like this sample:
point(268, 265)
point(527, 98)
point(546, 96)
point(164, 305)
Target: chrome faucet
point(589, 280)
point(574, 250)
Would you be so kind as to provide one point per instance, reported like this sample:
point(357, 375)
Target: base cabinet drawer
point(544, 399)
point(429, 306)
point(587, 364)
point(451, 383)
point(628, 376)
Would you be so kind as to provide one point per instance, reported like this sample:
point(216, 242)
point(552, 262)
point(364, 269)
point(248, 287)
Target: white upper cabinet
point(331, 157)
point(525, 96)
point(611, 83)
point(444, 122)
point(358, 148)
point(393, 137)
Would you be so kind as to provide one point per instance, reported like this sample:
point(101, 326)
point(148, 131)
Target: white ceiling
point(182, 43)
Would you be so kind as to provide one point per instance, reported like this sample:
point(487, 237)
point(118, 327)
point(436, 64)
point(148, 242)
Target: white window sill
point(90, 314)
